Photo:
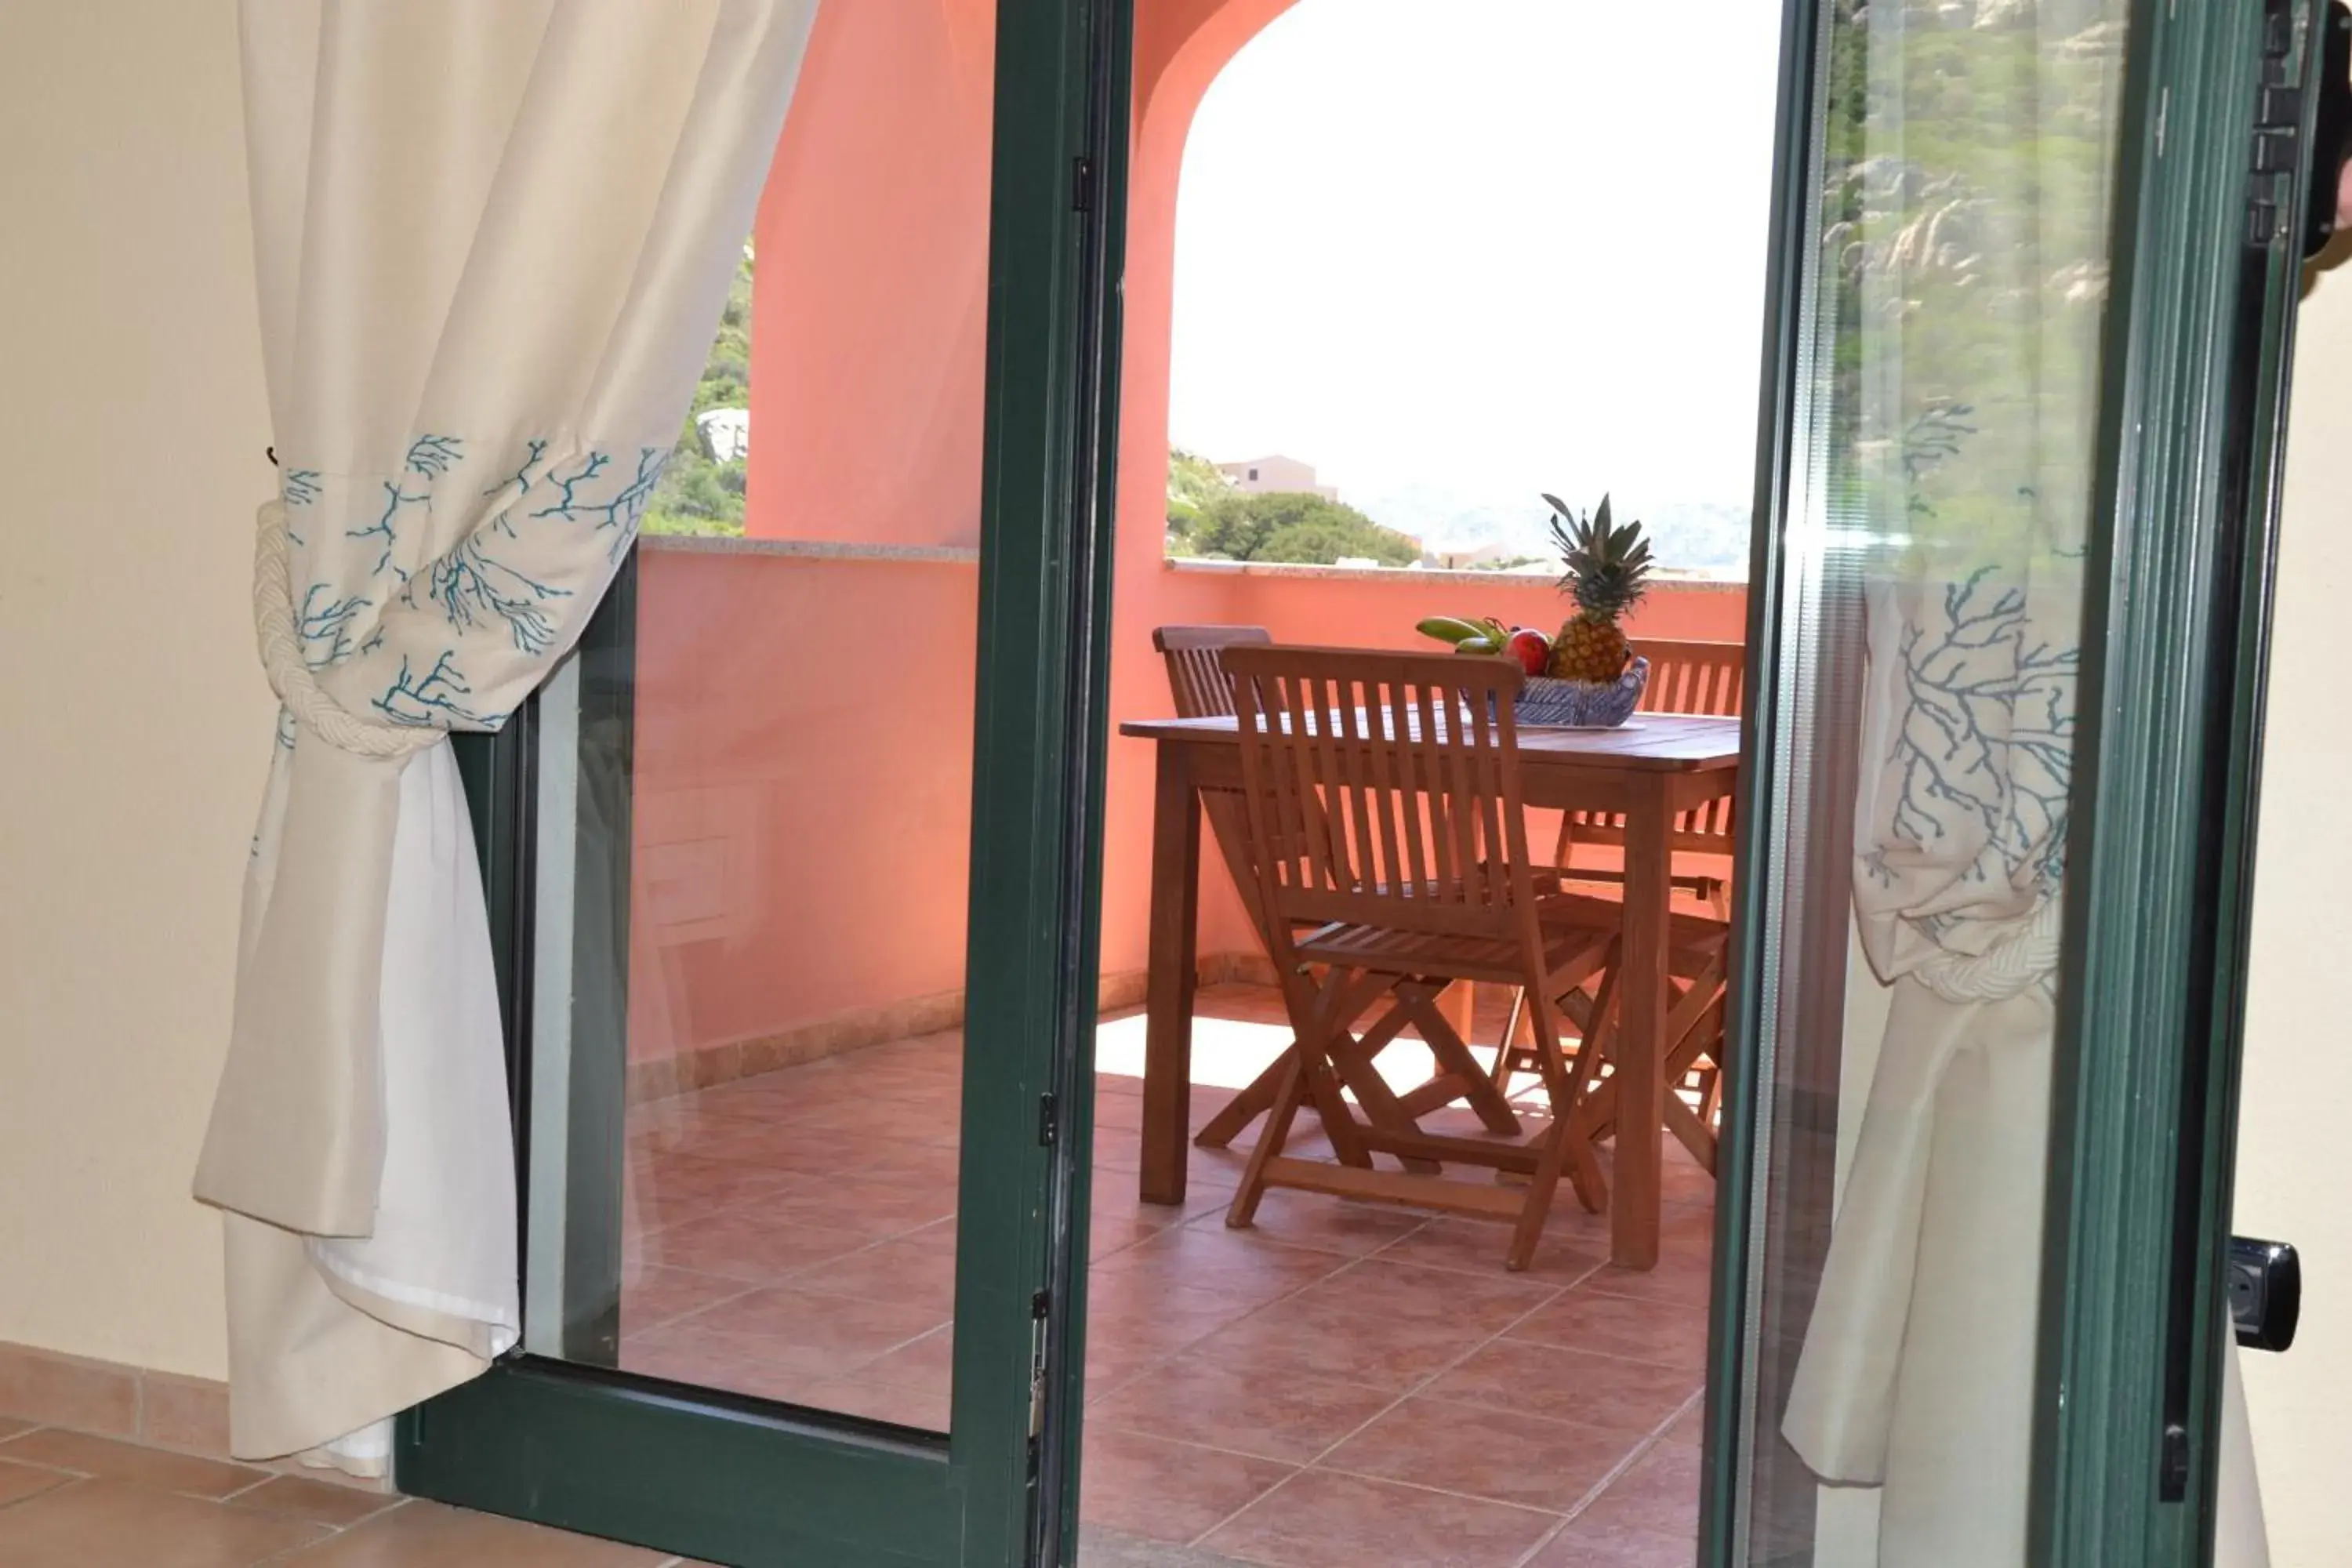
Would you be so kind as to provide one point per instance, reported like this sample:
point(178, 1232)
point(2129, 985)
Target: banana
point(1450, 629)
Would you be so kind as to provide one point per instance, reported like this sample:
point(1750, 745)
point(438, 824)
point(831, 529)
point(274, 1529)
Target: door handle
point(2266, 1292)
point(2331, 138)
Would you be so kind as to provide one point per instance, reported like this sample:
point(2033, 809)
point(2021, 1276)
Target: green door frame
point(719, 1476)
point(2144, 1108)
point(2200, 318)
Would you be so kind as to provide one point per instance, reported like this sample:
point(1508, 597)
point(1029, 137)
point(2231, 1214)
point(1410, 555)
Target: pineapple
point(1608, 571)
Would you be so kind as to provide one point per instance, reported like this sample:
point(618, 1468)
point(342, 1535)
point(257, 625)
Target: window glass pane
point(755, 788)
point(1931, 607)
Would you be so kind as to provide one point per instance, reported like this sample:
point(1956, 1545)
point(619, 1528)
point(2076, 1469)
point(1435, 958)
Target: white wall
point(135, 724)
point(2293, 1135)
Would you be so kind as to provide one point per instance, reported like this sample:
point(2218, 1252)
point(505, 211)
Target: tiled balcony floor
point(1342, 1384)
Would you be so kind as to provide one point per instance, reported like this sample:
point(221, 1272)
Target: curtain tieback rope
point(281, 656)
point(2015, 966)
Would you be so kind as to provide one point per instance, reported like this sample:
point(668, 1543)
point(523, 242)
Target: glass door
point(790, 859)
point(2036, 279)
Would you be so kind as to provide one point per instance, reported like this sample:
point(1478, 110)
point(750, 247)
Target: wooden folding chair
point(1387, 829)
point(1698, 969)
point(1194, 655)
point(1685, 678)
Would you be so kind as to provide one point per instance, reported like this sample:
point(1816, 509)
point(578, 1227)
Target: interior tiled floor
point(67, 1500)
point(1342, 1384)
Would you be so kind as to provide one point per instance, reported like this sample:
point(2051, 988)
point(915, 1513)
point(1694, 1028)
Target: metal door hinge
point(1049, 1121)
point(2277, 154)
point(1041, 1306)
point(1082, 184)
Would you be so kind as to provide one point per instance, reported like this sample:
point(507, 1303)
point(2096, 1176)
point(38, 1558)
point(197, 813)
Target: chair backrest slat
point(1383, 789)
point(1692, 677)
point(1196, 670)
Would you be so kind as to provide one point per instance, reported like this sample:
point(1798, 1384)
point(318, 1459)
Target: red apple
point(1530, 648)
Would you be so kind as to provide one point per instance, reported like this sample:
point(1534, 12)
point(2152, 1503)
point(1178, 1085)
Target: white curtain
point(492, 239)
point(1968, 212)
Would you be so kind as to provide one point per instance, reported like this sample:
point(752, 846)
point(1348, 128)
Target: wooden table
point(1656, 765)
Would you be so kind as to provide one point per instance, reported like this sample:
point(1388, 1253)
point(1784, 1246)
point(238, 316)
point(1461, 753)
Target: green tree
point(1193, 482)
point(1296, 526)
point(697, 494)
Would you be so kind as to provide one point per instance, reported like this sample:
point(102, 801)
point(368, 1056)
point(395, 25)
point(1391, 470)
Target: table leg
point(1634, 1178)
point(1168, 1028)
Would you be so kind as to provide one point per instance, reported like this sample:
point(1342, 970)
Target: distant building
point(1287, 475)
point(726, 433)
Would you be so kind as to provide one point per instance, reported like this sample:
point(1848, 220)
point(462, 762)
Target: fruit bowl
point(1549, 703)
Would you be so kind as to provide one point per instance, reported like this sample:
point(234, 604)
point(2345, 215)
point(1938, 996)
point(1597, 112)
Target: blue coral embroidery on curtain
point(446, 625)
point(324, 625)
point(621, 510)
point(1989, 728)
point(474, 588)
point(430, 698)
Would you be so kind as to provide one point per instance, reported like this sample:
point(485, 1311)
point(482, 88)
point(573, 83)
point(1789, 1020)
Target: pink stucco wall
point(804, 769)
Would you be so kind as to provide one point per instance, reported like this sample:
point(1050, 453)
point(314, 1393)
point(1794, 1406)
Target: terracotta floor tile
point(928, 1361)
point(12, 1429)
point(1682, 1276)
point(1332, 1225)
point(924, 1409)
point(703, 1367)
point(1243, 1265)
point(1113, 1231)
point(1318, 1519)
point(1473, 1306)
point(1567, 1254)
point(18, 1482)
point(934, 1164)
point(1164, 1490)
point(681, 1184)
point(799, 1331)
point(1196, 1398)
point(90, 1523)
point(1548, 1465)
point(877, 1207)
point(752, 1246)
point(427, 1535)
point(320, 1502)
point(1659, 1494)
point(1513, 1376)
point(913, 1269)
point(659, 1293)
point(1691, 1430)
point(153, 1469)
point(1592, 1318)
point(1115, 1109)
point(1348, 1341)
point(1110, 1370)
point(1143, 1318)
point(1584, 1546)
point(813, 1150)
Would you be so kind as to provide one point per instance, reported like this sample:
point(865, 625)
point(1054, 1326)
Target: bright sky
point(1494, 247)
